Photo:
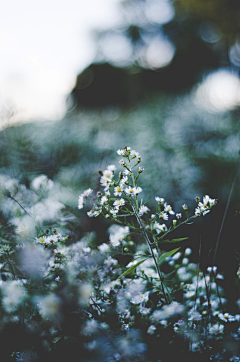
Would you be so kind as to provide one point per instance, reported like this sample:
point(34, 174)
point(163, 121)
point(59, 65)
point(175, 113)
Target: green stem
point(151, 251)
point(184, 222)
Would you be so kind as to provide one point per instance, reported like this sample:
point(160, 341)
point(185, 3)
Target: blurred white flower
point(42, 182)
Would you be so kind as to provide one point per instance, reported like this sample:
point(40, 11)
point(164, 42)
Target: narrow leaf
point(132, 268)
point(162, 257)
point(173, 240)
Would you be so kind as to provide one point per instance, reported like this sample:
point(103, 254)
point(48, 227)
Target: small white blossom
point(139, 298)
point(159, 227)
point(119, 203)
point(123, 181)
point(188, 251)
point(143, 210)
point(216, 328)
point(42, 182)
point(103, 200)
point(134, 154)
point(111, 168)
point(226, 317)
point(110, 262)
point(163, 216)
point(159, 199)
point(105, 182)
point(118, 190)
point(108, 174)
point(121, 152)
point(104, 248)
point(168, 208)
point(118, 236)
point(133, 190)
point(151, 329)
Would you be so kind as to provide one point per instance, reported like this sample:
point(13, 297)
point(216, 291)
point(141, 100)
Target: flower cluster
point(116, 298)
point(204, 207)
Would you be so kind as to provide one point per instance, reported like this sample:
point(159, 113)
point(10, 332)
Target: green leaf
point(162, 257)
point(132, 268)
point(169, 294)
point(173, 240)
point(168, 275)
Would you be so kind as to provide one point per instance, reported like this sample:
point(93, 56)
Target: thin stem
point(200, 245)
point(184, 222)
point(225, 212)
point(11, 197)
point(151, 251)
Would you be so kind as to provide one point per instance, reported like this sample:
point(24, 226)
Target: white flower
point(188, 251)
point(110, 262)
point(105, 182)
point(83, 197)
point(216, 328)
point(203, 207)
point(118, 236)
point(108, 174)
point(122, 162)
point(143, 210)
point(159, 228)
point(134, 154)
point(86, 250)
point(104, 248)
point(176, 256)
point(133, 190)
point(168, 208)
point(114, 212)
point(121, 152)
point(167, 311)
point(119, 203)
point(193, 315)
point(80, 202)
point(179, 215)
point(150, 273)
point(94, 212)
point(159, 199)
point(87, 192)
point(210, 269)
point(197, 212)
point(111, 168)
point(139, 298)
point(138, 190)
point(42, 182)
point(118, 190)
point(123, 181)
point(226, 317)
point(13, 295)
point(163, 216)
point(151, 329)
point(103, 200)
point(21, 229)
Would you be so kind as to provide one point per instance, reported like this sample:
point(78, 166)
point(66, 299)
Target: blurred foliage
point(224, 13)
point(186, 152)
point(124, 99)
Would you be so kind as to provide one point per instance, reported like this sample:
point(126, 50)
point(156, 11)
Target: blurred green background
point(167, 84)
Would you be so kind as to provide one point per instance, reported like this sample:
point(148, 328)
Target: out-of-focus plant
point(78, 300)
